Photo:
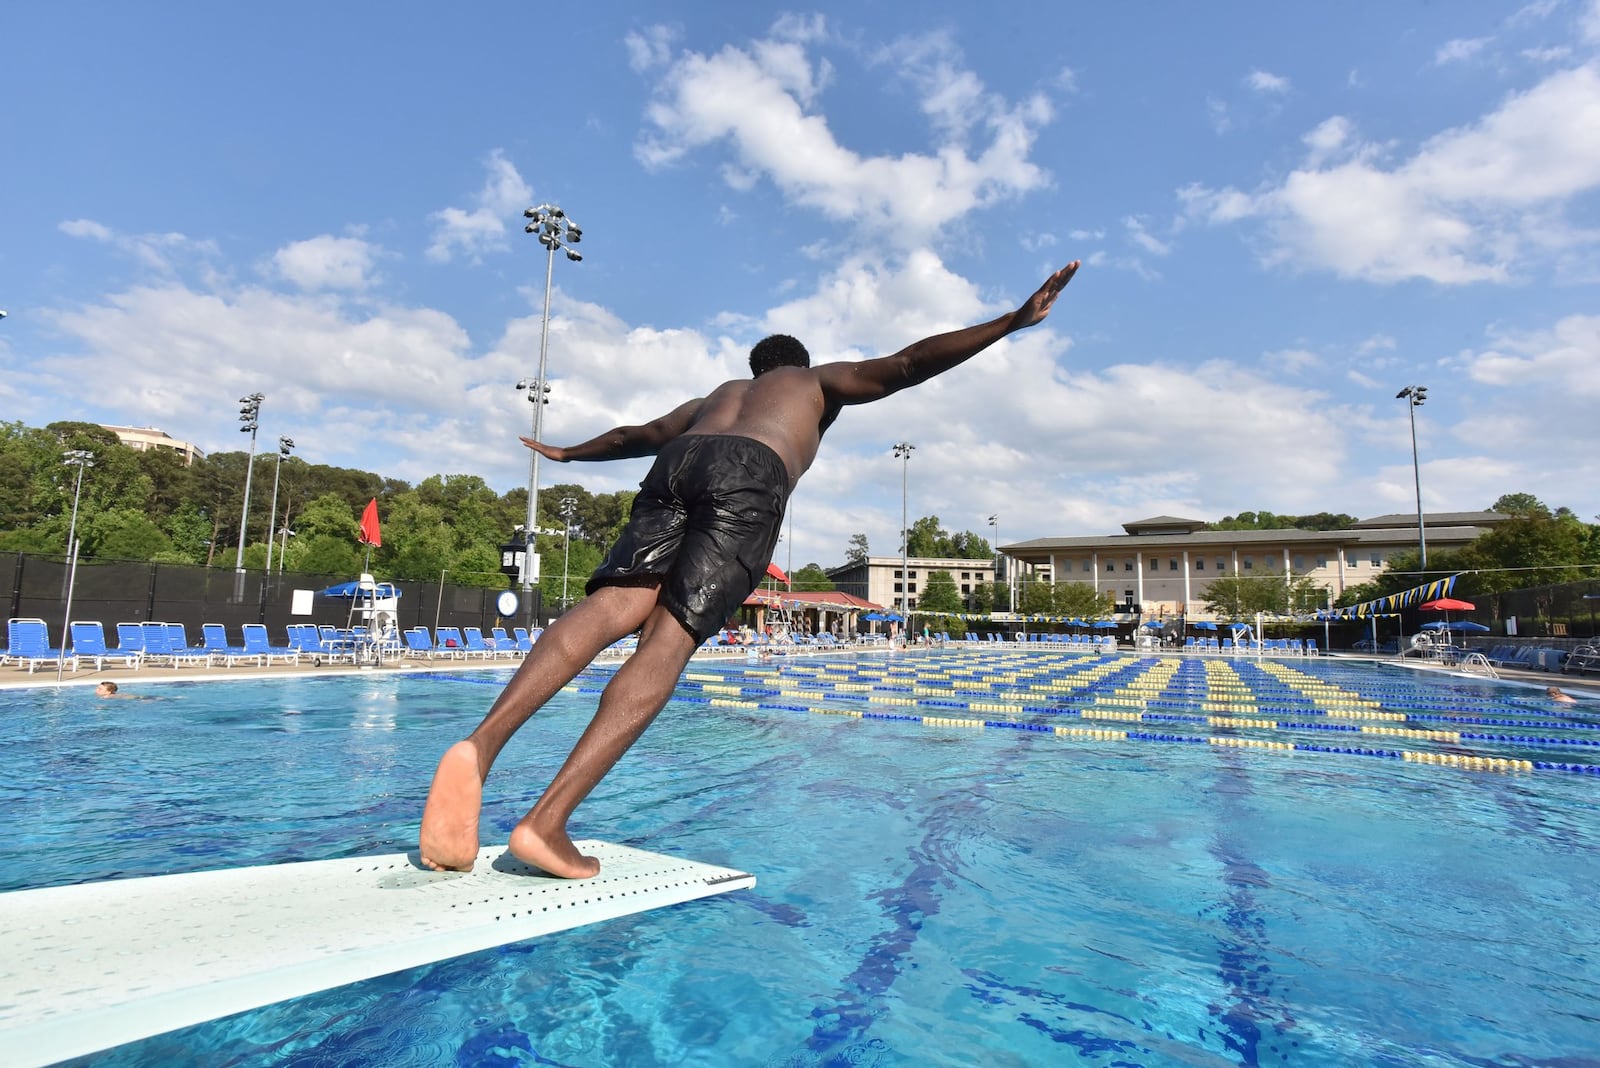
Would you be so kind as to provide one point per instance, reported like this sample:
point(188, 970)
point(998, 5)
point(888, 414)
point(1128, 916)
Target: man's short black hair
point(779, 350)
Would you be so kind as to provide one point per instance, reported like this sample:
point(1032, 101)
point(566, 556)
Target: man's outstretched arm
point(869, 380)
point(625, 442)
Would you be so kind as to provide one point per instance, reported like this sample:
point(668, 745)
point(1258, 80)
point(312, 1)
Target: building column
point(1094, 565)
point(1186, 583)
point(1138, 567)
point(1288, 578)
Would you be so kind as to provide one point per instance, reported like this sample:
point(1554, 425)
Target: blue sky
point(1285, 213)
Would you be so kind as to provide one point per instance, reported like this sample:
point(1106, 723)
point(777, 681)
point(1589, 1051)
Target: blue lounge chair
point(28, 640)
point(476, 646)
point(420, 643)
point(214, 640)
point(179, 649)
point(257, 644)
point(89, 643)
point(524, 640)
point(450, 640)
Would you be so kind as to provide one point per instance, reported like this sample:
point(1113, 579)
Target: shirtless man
point(698, 540)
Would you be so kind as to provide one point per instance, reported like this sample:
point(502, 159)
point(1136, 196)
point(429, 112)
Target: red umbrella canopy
point(774, 571)
point(1447, 604)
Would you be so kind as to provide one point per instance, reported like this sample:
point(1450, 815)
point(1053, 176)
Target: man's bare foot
point(449, 838)
point(552, 852)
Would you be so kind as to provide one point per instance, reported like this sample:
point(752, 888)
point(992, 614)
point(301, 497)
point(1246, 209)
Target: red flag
point(777, 572)
point(370, 534)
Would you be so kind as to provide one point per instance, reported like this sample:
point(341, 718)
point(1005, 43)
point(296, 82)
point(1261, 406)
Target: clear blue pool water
point(927, 894)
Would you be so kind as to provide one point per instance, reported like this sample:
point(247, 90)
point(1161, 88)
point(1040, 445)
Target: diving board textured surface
point(92, 966)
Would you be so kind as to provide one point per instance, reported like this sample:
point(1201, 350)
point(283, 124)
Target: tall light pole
point(994, 521)
point(569, 505)
point(902, 452)
point(1414, 396)
point(285, 447)
point(250, 416)
point(80, 459)
point(555, 231)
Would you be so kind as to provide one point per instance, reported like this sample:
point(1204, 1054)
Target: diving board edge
point(98, 965)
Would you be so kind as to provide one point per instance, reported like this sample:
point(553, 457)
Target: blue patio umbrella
point(1467, 626)
point(1204, 624)
point(1152, 624)
point(874, 617)
point(353, 589)
point(1104, 624)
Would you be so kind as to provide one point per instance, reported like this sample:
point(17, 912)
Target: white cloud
point(1265, 82)
point(1460, 50)
point(650, 47)
point(483, 228)
point(163, 253)
point(1376, 343)
point(1561, 362)
point(1466, 207)
point(1589, 23)
point(326, 262)
point(758, 100)
point(1556, 54)
point(1291, 359)
point(1143, 238)
point(1217, 114)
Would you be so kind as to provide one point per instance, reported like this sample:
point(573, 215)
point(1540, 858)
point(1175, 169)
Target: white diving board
point(96, 965)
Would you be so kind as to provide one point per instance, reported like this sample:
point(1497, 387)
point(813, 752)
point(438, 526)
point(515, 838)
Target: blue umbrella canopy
point(1204, 624)
point(1103, 624)
point(353, 589)
point(1467, 626)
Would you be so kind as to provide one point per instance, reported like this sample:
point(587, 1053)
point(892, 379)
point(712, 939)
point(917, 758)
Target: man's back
point(783, 409)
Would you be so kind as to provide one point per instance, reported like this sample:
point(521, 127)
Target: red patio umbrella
point(1447, 605)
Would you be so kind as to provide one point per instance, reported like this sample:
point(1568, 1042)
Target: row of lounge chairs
point(1524, 657)
point(155, 643)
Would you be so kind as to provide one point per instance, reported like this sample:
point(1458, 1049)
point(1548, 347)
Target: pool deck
point(14, 677)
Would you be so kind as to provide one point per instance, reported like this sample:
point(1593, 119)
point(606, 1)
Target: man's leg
point(449, 836)
point(633, 697)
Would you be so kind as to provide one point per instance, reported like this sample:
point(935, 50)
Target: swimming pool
point(1016, 857)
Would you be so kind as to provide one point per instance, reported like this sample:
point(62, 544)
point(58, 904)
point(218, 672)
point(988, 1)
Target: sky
point(1285, 212)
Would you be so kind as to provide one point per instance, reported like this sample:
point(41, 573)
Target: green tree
point(1521, 504)
point(939, 594)
point(1240, 598)
point(125, 534)
point(856, 551)
point(811, 578)
point(1078, 600)
point(982, 600)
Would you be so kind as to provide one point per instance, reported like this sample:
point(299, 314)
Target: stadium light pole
point(555, 231)
point(285, 447)
point(902, 452)
point(1414, 397)
point(79, 458)
point(250, 416)
point(569, 505)
point(994, 521)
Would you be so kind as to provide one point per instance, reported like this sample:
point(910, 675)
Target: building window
point(1377, 561)
point(1199, 565)
point(1110, 566)
point(1127, 565)
point(1172, 565)
point(1155, 565)
point(1322, 561)
point(965, 589)
point(897, 587)
point(1249, 563)
point(1299, 563)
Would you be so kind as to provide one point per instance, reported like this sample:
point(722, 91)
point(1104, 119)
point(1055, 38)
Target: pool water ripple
point(928, 894)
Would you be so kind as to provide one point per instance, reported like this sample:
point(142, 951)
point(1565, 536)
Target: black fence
point(123, 592)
